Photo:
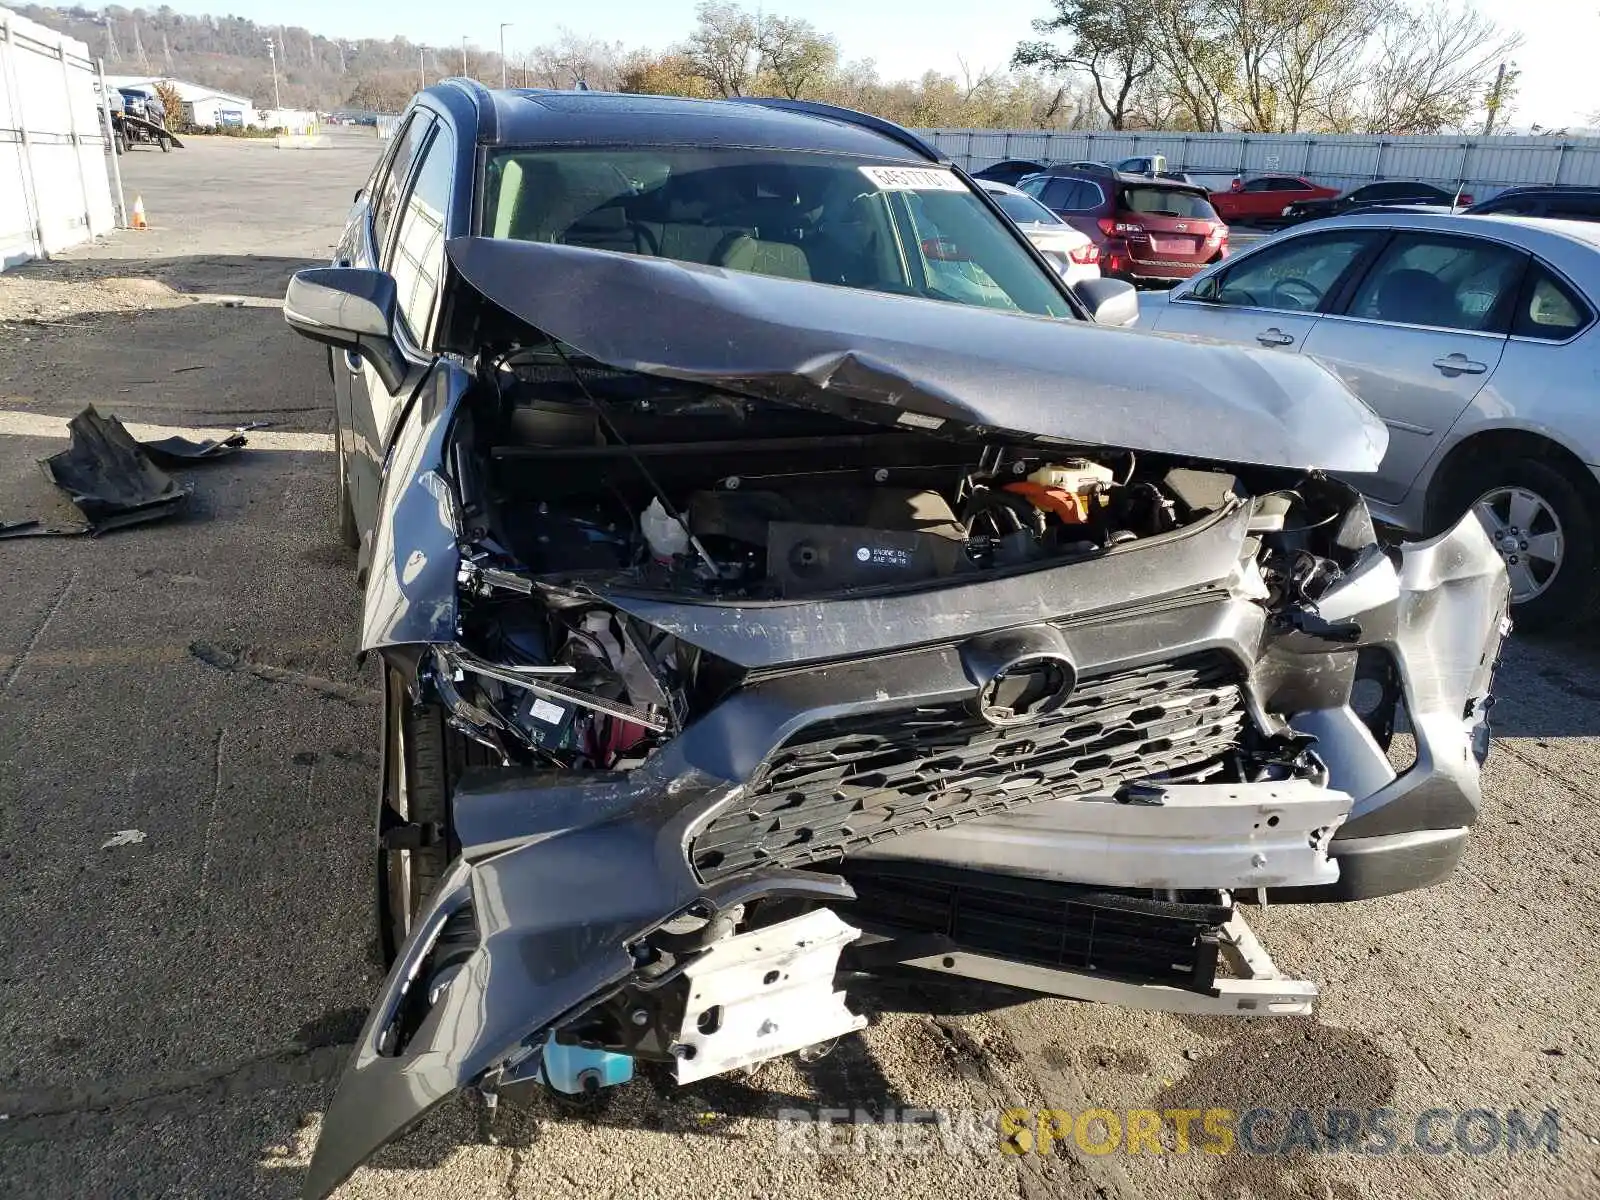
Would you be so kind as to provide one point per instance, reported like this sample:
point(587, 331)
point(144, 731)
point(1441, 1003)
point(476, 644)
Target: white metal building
point(202, 105)
point(54, 188)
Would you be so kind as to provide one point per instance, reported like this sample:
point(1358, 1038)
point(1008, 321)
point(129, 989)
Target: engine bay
point(579, 483)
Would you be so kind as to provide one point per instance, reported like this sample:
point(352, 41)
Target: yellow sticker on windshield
point(913, 179)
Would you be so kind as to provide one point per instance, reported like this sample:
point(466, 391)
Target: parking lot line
point(26, 424)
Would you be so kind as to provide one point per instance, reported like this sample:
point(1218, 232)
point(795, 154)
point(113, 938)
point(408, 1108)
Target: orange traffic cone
point(136, 220)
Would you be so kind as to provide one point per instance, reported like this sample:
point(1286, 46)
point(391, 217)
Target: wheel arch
point(1499, 444)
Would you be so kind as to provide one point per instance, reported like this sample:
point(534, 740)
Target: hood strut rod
point(638, 461)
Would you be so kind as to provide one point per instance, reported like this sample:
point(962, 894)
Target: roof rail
point(850, 116)
point(482, 100)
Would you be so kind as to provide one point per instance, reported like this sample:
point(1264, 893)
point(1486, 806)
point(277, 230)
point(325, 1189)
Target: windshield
point(1168, 202)
point(916, 231)
point(1025, 210)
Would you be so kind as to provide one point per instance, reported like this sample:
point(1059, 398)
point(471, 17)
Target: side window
point(1059, 193)
point(1574, 208)
point(417, 260)
point(1034, 186)
point(1453, 283)
point(1548, 309)
point(1290, 185)
point(1260, 185)
point(386, 192)
point(1517, 206)
point(1297, 274)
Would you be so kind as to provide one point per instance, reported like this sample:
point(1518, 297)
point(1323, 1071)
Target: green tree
point(1112, 41)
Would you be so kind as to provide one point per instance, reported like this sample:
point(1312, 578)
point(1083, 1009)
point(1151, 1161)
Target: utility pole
point(272, 53)
point(1494, 100)
point(464, 58)
point(422, 68)
point(504, 25)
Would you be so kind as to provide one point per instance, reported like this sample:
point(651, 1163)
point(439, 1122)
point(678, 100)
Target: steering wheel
point(1286, 286)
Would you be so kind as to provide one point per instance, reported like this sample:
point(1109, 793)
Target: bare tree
point(1429, 72)
point(725, 47)
point(1109, 40)
point(571, 59)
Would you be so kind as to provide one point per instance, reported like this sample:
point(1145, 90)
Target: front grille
point(1070, 927)
point(839, 785)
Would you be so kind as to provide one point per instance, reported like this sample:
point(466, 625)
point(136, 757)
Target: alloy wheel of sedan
point(1528, 536)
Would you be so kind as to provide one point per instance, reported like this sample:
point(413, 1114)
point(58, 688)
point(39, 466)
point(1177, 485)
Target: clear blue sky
point(1560, 83)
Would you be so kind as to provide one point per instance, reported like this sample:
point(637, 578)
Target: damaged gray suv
point(780, 576)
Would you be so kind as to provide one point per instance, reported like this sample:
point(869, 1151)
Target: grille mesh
point(839, 785)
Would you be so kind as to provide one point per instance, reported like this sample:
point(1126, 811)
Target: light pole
point(504, 25)
point(463, 57)
point(422, 68)
point(272, 53)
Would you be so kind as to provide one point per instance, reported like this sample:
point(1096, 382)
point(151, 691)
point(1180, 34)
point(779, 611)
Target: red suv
point(1149, 229)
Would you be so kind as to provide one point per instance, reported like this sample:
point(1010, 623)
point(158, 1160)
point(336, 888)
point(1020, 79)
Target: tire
point(422, 760)
point(415, 790)
point(1547, 595)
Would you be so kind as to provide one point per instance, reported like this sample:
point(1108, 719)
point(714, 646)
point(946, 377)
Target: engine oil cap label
point(913, 179)
point(883, 556)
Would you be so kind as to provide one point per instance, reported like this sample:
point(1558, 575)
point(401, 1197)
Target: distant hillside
point(230, 54)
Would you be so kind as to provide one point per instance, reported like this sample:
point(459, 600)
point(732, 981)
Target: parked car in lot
point(776, 575)
point(1072, 253)
point(1009, 171)
point(1149, 229)
point(1474, 339)
point(1371, 195)
point(1262, 199)
point(1556, 203)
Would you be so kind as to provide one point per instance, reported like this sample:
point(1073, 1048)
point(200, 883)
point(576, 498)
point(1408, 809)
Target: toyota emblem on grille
point(1027, 690)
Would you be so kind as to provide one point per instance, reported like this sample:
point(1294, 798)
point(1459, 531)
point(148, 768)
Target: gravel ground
point(174, 1010)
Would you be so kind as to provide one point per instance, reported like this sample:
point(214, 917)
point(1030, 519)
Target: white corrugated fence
point(54, 191)
point(1483, 165)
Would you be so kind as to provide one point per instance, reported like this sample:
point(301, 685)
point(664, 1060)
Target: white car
point(1070, 252)
point(1477, 340)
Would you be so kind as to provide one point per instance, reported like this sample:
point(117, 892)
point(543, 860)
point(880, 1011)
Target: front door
point(1419, 337)
point(1270, 297)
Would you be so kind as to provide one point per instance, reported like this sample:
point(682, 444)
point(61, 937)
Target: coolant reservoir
point(1066, 489)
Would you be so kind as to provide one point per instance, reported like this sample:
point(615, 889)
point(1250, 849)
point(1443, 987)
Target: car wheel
point(1542, 524)
point(414, 817)
point(422, 759)
point(349, 533)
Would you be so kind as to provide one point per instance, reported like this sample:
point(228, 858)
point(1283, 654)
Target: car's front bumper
point(565, 873)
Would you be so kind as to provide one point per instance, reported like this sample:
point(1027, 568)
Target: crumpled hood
point(928, 364)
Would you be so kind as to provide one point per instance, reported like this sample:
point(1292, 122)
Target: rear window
point(1167, 202)
point(1025, 209)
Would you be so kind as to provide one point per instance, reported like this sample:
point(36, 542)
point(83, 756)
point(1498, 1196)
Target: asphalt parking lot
point(187, 758)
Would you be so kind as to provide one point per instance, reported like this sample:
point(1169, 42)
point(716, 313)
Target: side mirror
point(351, 308)
point(1109, 301)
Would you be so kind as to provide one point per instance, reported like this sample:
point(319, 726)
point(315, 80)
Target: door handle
point(1274, 337)
point(1459, 364)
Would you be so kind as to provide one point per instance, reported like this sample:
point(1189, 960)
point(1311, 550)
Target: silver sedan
point(1474, 338)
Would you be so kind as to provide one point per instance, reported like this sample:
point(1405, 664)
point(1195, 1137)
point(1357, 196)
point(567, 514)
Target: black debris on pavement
point(108, 477)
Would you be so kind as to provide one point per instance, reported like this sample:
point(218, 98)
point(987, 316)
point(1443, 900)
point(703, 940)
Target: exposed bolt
point(1258, 860)
point(768, 1028)
point(639, 1017)
point(881, 475)
point(682, 1050)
